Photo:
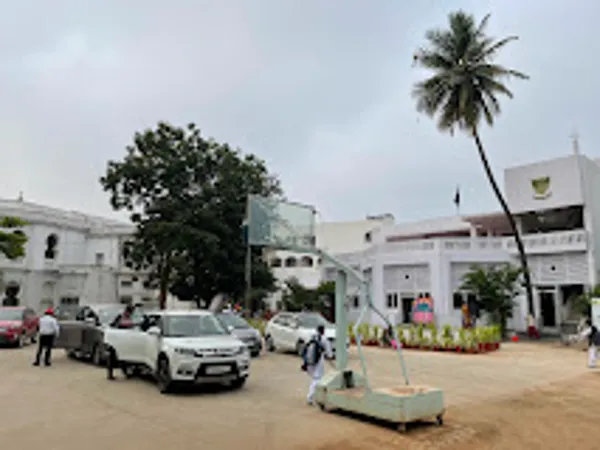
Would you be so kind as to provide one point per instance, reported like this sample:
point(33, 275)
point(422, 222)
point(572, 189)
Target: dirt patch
point(565, 414)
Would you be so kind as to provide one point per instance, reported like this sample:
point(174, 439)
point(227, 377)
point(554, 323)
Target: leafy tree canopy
point(300, 298)
point(12, 240)
point(187, 196)
point(466, 83)
point(495, 288)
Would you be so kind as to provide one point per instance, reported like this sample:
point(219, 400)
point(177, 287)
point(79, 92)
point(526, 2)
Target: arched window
point(290, 261)
point(276, 262)
point(51, 244)
point(306, 261)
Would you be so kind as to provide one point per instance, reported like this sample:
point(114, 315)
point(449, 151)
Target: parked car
point(241, 329)
point(291, 331)
point(181, 347)
point(82, 334)
point(18, 325)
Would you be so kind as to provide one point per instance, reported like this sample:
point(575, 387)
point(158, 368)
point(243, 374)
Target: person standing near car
point(123, 320)
point(315, 352)
point(593, 335)
point(48, 331)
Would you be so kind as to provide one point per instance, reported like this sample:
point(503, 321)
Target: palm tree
point(464, 89)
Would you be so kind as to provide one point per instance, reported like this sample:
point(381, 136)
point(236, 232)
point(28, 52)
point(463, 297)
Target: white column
point(439, 267)
point(377, 289)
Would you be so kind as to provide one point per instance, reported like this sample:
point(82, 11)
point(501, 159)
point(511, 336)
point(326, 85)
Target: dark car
point(82, 334)
point(243, 331)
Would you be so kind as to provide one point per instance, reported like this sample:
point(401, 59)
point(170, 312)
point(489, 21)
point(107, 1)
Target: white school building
point(556, 204)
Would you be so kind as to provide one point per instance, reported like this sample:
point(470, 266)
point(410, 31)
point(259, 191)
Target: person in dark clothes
point(49, 330)
point(593, 336)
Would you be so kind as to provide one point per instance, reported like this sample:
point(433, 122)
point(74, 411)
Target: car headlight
point(241, 350)
point(185, 351)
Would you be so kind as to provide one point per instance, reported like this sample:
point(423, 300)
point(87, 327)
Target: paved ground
point(525, 396)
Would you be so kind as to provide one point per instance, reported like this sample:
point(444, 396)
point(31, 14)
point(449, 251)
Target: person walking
point(593, 336)
point(315, 352)
point(49, 330)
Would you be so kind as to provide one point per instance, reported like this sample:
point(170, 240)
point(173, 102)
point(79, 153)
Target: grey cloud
point(319, 89)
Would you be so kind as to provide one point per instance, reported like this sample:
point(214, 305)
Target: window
point(291, 262)
point(126, 283)
point(306, 261)
point(392, 300)
point(368, 237)
point(193, 325)
point(423, 295)
point(146, 299)
point(51, 244)
point(355, 301)
point(457, 300)
point(276, 262)
point(69, 301)
point(99, 259)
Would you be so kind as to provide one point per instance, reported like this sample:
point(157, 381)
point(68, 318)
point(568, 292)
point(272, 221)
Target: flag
point(457, 197)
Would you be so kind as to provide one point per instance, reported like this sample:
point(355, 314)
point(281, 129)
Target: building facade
point(71, 259)
point(556, 205)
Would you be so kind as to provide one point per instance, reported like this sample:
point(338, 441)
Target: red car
point(18, 325)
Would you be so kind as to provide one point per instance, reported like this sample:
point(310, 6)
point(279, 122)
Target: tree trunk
point(511, 221)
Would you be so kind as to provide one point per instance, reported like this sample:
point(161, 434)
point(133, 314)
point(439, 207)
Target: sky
point(319, 89)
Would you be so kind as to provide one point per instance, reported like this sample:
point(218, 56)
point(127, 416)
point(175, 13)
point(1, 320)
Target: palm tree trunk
point(511, 221)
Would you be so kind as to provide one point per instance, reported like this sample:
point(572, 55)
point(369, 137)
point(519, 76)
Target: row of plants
point(428, 337)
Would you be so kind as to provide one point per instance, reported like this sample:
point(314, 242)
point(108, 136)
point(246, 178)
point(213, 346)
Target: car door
point(289, 332)
point(152, 343)
point(128, 342)
point(277, 331)
point(29, 322)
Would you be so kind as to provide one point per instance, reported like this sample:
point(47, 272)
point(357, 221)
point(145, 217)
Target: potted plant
point(420, 342)
point(447, 338)
point(462, 341)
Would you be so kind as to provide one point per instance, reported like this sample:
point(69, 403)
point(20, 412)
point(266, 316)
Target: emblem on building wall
point(541, 188)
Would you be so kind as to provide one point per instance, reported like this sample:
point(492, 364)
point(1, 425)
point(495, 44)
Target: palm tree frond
point(492, 47)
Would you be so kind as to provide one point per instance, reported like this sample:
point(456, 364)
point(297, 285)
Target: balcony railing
point(562, 241)
point(575, 240)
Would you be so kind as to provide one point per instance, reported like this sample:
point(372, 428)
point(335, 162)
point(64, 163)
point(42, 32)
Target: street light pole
point(248, 276)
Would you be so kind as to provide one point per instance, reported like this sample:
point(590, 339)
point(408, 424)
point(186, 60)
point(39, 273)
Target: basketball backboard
point(280, 225)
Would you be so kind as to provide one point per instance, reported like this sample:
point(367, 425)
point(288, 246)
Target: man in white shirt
point(316, 368)
point(49, 330)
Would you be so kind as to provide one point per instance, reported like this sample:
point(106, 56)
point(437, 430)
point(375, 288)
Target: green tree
point(464, 90)
point(187, 197)
point(12, 246)
point(583, 303)
point(297, 297)
point(12, 240)
point(495, 288)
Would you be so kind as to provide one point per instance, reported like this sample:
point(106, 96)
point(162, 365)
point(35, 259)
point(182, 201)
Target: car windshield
point(231, 320)
point(193, 325)
point(11, 314)
point(312, 321)
point(107, 314)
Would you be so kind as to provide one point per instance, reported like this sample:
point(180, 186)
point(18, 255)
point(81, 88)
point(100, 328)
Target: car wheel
point(21, 341)
point(72, 354)
point(96, 355)
point(269, 344)
point(238, 383)
point(163, 375)
point(300, 348)
point(255, 353)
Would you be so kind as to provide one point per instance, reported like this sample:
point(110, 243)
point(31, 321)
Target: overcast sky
point(320, 89)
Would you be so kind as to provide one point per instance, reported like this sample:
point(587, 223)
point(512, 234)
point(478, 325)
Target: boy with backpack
point(313, 357)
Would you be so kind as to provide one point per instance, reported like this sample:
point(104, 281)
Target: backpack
point(312, 352)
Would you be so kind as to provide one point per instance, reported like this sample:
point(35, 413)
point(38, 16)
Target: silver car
point(243, 331)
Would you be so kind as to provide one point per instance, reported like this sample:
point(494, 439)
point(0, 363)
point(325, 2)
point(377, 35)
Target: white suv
point(291, 331)
point(181, 347)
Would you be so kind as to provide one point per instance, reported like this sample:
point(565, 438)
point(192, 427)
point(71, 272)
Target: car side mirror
point(153, 331)
point(230, 328)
